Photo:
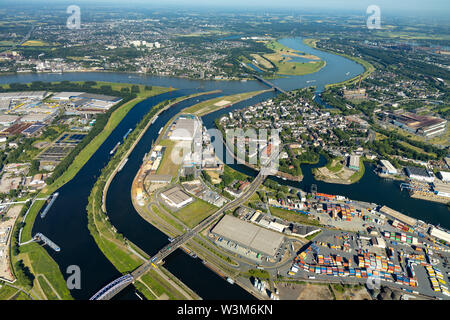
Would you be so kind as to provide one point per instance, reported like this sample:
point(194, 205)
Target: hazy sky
point(441, 7)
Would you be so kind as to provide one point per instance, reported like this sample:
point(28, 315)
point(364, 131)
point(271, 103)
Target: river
point(66, 222)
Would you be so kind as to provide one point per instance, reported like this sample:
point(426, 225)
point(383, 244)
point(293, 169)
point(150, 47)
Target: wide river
point(66, 222)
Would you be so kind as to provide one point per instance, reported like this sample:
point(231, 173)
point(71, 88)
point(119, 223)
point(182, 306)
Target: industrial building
point(185, 129)
point(23, 95)
point(419, 174)
point(249, 235)
point(176, 197)
point(399, 216)
point(426, 126)
point(8, 120)
point(387, 167)
point(440, 234)
point(65, 96)
point(353, 162)
point(444, 176)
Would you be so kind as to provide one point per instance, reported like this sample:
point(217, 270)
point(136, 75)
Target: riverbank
point(158, 215)
point(368, 67)
point(118, 250)
point(337, 173)
point(35, 257)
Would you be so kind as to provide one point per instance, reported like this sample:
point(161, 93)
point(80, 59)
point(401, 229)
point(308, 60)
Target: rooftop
point(249, 235)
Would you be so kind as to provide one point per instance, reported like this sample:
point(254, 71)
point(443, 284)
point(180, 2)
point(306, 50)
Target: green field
point(167, 166)
point(34, 256)
point(293, 216)
point(195, 212)
point(7, 292)
point(282, 60)
point(209, 106)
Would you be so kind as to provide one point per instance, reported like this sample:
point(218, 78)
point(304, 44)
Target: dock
point(47, 208)
point(47, 241)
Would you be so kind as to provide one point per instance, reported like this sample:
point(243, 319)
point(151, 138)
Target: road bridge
point(270, 84)
point(118, 285)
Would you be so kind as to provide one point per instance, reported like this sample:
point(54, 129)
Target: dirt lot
point(308, 291)
point(311, 291)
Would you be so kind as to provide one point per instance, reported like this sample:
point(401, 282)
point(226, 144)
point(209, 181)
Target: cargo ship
point(154, 119)
point(47, 208)
point(126, 134)
point(159, 132)
point(122, 165)
point(114, 149)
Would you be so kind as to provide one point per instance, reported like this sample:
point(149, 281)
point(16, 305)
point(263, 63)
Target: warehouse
point(420, 174)
point(435, 232)
point(185, 129)
point(66, 95)
point(249, 235)
point(38, 117)
point(23, 95)
point(8, 120)
point(397, 215)
point(176, 197)
point(444, 176)
point(426, 126)
point(387, 167)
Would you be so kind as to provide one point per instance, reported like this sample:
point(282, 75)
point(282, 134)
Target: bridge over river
point(121, 283)
point(270, 84)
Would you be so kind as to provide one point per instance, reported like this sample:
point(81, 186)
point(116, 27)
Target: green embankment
point(293, 216)
point(39, 261)
point(209, 106)
point(368, 68)
point(359, 174)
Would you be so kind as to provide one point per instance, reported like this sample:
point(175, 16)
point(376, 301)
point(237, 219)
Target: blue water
point(66, 221)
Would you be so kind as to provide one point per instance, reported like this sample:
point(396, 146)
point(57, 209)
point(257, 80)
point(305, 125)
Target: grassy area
point(142, 288)
point(39, 261)
point(368, 68)
point(35, 43)
point(209, 106)
point(409, 146)
point(335, 165)
point(359, 174)
point(46, 288)
point(7, 292)
point(261, 274)
point(282, 59)
point(261, 61)
point(42, 264)
point(195, 212)
point(21, 296)
point(166, 218)
point(167, 166)
point(293, 216)
point(160, 286)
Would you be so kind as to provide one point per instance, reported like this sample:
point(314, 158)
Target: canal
point(66, 222)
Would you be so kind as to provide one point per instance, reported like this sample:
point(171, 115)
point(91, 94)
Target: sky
point(397, 7)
